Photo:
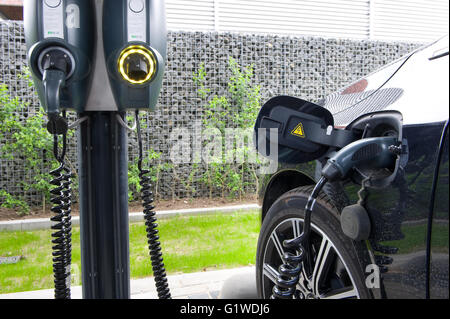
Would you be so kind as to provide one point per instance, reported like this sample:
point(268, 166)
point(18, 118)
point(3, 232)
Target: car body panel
point(400, 212)
point(439, 239)
point(413, 85)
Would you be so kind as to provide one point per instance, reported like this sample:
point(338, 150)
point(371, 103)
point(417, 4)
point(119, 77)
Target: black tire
point(342, 270)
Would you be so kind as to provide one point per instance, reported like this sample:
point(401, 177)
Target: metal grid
point(309, 68)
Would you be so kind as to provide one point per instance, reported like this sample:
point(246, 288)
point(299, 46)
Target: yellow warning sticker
point(299, 131)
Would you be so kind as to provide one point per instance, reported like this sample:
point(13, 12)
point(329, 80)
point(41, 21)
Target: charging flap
point(301, 131)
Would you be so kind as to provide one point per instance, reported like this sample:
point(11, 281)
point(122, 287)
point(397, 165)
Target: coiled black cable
point(289, 271)
point(159, 272)
point(61, 237)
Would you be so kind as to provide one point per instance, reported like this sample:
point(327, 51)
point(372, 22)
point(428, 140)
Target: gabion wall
point(309, 68)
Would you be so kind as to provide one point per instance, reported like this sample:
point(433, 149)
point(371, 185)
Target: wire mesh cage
point(305, 67)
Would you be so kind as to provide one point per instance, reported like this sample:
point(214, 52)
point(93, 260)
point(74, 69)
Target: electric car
point(401, 248)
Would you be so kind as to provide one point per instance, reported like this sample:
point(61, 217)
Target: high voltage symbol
point(299, 131)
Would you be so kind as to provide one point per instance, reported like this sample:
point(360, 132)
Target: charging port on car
point(379, 124)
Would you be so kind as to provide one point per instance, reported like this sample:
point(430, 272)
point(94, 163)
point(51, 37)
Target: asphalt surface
point(237, 283)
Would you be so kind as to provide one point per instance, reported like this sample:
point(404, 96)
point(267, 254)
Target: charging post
point(103, 185)
point(98, 58)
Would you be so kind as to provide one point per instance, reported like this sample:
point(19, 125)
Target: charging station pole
point(103, 161)
point(98, 58)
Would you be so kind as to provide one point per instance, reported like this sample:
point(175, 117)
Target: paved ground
point(230, 284)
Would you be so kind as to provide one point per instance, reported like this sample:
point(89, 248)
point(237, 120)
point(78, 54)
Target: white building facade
point(387, 20)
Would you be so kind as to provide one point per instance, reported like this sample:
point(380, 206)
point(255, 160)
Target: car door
point(400, 213)
point(404, 206)
point(400, 210)
point(439, 236)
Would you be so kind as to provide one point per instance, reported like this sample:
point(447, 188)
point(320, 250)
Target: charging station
point(99, 59)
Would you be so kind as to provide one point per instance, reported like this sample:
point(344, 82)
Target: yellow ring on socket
point(148, 56)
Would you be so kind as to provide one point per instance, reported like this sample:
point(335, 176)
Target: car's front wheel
point(334, 271)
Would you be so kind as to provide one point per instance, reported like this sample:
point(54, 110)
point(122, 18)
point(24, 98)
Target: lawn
point(190, 244)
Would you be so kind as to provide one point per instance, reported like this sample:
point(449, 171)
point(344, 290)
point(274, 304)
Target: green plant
point(8, 201)
point(148, 163)
point(237, 109)
point(25, 139)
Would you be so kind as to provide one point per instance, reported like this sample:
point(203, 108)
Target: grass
point(190, 244)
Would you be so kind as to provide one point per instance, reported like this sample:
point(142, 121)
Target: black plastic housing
point(76, 21)
point(305, 131)
point(117, 36)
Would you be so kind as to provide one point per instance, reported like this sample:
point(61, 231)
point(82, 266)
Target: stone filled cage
point(305, 67)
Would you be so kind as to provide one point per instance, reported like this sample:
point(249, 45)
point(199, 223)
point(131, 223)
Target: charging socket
point(378, 124)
